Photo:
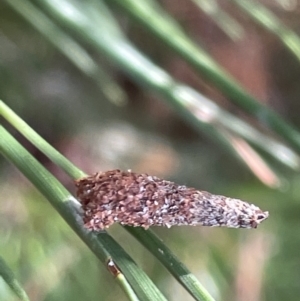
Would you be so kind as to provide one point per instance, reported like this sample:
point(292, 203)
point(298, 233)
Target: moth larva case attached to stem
point(141, 200)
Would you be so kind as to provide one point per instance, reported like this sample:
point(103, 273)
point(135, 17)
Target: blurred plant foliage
point(97, 79)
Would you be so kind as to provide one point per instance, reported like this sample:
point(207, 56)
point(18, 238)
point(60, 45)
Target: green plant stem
point(185, 277)
point(231, 27)
point(152, 17)
point(268, 20)
point(139, 286)
point(192, 106)
point(154, 244)
point(39, 142)
point(8, 276)
point(70, 48)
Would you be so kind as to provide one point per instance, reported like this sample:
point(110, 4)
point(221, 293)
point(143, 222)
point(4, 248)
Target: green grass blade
point(199, 111)
point(39, 142)
point(147, 238)
point(70, 49)
point(256, 163)
point(153, 244)
point(280, 152)
point(231, 27)
point(192, 106)
point(268, 20)
point(8, 276)
point(202, 113)
point(135, 282)
point(151, 15)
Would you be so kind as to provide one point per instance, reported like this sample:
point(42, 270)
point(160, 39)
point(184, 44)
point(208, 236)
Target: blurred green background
point(99, 113)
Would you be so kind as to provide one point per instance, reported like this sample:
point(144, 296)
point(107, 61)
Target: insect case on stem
point(141, 200)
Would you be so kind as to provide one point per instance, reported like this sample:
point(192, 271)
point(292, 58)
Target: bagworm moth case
point(141, 200)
